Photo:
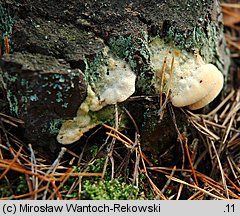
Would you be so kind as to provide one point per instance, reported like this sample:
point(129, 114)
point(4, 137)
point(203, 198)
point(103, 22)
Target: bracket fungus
point(115, 82)
point(193, 82)
point(206, 84)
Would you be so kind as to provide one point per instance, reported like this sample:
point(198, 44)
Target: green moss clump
point(95, 188)
point(22, 185)
point(4, 189)
point(19, 187)
point(109, 190)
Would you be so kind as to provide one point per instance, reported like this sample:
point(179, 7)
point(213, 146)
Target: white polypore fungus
point(212, 86)
point(116, 82)
point(194, 84)
point(119, 82)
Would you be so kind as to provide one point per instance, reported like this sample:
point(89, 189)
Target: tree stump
point(57, 48)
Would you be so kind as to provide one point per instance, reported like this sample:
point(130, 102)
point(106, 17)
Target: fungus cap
point(71, 136)
point(199, 89)
point(71, 132)
point(212, 94)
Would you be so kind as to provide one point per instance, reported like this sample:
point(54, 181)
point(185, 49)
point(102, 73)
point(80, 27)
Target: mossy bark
point(59, 37)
